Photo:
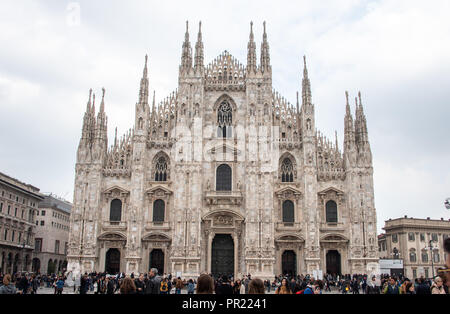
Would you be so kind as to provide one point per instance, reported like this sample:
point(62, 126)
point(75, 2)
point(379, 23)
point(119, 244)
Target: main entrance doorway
point(157, 260)
point(333, 262)
point(222, 257)
point(289, 263)
point(112, 265)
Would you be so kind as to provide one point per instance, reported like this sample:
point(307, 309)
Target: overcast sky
point(397, 53)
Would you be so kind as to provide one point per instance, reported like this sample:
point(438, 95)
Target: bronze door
point(157, 260)
point(333, 262)
point(289, 263)
point(112, 261)
point(222, 259)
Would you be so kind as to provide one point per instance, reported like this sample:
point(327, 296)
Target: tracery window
point(412, 256)
point(288, 211)
point(331, 212)
point(161, 169)
point(287, 171)
point(425, 257)
point(224, 120)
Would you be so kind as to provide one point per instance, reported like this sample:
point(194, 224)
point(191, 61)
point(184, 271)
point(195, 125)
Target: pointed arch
point(161, 167)
point(287, 170)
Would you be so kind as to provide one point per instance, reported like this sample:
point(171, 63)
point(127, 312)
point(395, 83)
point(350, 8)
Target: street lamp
point(430, 247)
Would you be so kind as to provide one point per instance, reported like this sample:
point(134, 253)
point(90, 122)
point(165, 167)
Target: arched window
point(224, 120)
point(288, 211)
point(161, 169)
point(412, 256)
point(424, 257)
point(436, 257)
point(115, 213)
point(331, 211)
point(287, 171)
point(158, 211)
point(223, 178)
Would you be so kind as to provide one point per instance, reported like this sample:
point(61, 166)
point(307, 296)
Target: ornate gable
point(115, 192)
point(331, 193)
point(159, 190)
point(288, 192)
point(225, 73)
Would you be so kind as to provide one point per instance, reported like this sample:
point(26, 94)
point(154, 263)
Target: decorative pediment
point(223, 198)
point(289, 238)
point(331, 190)
point(331, 193)
point(224, 149)
point(334, 238)
point(288, 192)
point(223, 217)
point(116, 192)
point(116, 236)
point(159, 190)
point(225, 73)
point(156, 237)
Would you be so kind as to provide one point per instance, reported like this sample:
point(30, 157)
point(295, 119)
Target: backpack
point(301, 291)
point(164, 287)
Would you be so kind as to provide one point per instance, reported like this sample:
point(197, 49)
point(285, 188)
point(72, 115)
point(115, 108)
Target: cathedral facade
point(223, 176)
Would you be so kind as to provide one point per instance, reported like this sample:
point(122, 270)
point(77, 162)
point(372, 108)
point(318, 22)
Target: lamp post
point(430, 246)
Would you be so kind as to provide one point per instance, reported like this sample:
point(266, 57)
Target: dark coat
point(224, 288)
point(423, 288)
point(153, 285)
point(140, 284)
point(372, 290)
point(110, 287)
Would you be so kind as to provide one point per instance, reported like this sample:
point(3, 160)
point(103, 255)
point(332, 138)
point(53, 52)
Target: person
point(191, 287)
point(84, 284)
point(153, 282)
point(309, 289)
point(178, 286)
point(410, 288)
point(59, 285)
point(140, 284)
point(423, 287)
point(403, 287)
point(256, 286)
point(224, 287)
point(23, 284)
point(237, 287)
point(8, 287)
point(446, 272)
point(391, 287)
point(205, 284)
point(372, 287)
point(318, 287)
point(284, 288)
point(127, 286)
point(164, 287)
point(101, 285)
point(437, 287)
point(246, 283)
point(110, 286)
point(34, 284)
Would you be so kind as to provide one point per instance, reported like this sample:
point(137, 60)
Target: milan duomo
point(223, 176)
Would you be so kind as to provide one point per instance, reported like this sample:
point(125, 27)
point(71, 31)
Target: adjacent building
point(52, 235)
point(18, 207)
point(410, 239)
point(224, 176)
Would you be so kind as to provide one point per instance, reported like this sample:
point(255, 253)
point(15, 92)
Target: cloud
point(395, 52)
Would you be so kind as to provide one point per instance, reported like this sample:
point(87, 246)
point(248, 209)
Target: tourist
point(224, 287)
point(127, 286)
point(391, 287)
point(190, 287)
point(153, 282)
point(110, 285)
point(372, 287)
point(59, 285)
point(237, 287)
point(178, 286)
point(256, 286)
point(437, 287)
point(205, 284)
point(164, 286)
point(423, 287)
point(284, 288)
point(410, 288)
point(140, 284)
point(8, 287)
point(446, 271)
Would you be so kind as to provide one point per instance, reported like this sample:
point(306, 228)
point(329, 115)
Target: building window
point(422, 237)
point(6, 235)
point(38, 245)
point(42, 222)
point(411, 236)
point(43, 213)
point(158, 211)
point(224, 120)
point(115, 213)
point(424, 257)
point(20, 237)
point(22, 213)
point(331, 212)
point(414, 273)
point(436, 258)
point(426, 272)
point(287, 171)
point(161, 169)
point(9, 209)
point(434, 237)
point(223, 178)
point(57, 247)
point(394, 238)
point(15, 212)
point(13, 236)
point(288, 211)
point(65, 248)
point(444, 237)
point(1, 207)
point(412, 257)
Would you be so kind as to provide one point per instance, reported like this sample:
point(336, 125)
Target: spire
point(297, 103)
point(265, 56)
point(88, 106)
point(93, 105)
point(143, 89)
point(186, 56)
point(251, 52)
point(306, 85)
point(115, 138)
point(349, 131)
point(102, 104)
point(199, 48)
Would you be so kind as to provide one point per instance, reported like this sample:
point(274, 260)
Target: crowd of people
point(153, 283)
